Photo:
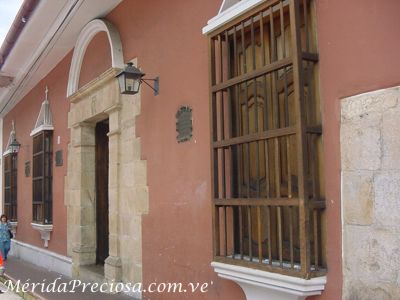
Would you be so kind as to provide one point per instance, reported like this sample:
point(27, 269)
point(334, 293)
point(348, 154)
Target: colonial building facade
point(265, 164)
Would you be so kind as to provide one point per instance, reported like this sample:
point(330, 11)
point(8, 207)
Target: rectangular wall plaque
point(59, 158)
point(27, 168)
point(184, 124)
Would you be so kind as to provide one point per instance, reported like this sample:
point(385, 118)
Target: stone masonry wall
point(370, 162)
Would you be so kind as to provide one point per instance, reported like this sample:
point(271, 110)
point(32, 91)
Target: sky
point(8, 10)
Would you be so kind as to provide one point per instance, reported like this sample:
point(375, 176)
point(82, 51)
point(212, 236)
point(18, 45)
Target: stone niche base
point(261, 285)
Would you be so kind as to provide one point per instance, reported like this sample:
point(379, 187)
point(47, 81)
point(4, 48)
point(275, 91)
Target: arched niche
point(84, 38)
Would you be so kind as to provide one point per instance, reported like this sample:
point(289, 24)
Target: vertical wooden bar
point(222, 119)
point(213, 120)
point(259, 228)
point(247, 119)
point(263, 61)
point(230, 103)
point(291, 236)
point(289, 167)
point(262, 38)
point(235, 60)
point(269, 235)
point(252, 37)
point(277, 169)
point(238, 115)
point(255, 99)
point(44, 178)
point(249, 232)
point(311, 159)
point(300, 136)
point(316, 241)
point(286, 99)
point(217, 235)
point(241, 231)
point(280, 239)
point(228, 55)
point(221, 61)
point(272, 33)
point(229, 121)
point(305, 14)
point(282, 28)
point(267, 175)
point(225, 232)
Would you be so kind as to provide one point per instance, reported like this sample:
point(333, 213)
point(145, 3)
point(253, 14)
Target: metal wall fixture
point(13, 145)
point(131, 78)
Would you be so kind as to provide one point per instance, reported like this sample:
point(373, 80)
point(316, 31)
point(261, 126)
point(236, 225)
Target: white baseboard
point(42, 257)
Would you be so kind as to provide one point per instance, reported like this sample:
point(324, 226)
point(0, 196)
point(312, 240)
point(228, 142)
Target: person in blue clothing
point(5, 239)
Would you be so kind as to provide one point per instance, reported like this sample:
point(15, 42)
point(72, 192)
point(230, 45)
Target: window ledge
point(41, 128)
point(229, 14)
point(260, 285)
point(14, 226)
point(44, 232)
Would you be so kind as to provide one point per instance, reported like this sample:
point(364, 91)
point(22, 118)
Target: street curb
point(28, 295)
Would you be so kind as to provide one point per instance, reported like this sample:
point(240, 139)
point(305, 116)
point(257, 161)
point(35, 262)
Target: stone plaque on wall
point(27, 168)
point(184, 125)
point(59, 158)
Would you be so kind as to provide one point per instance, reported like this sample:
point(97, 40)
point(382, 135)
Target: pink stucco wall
point(166, 38)
point(358, 49)
point(24, 115)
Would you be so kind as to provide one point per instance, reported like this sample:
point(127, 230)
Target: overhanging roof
point(49, 34)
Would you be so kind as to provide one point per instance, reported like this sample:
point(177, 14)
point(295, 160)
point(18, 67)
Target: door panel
point(102, 129)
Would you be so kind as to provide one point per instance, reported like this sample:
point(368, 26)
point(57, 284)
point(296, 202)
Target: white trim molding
point(85, 37)
point(45, 231)
point(45, 119)
point(11, 138)
point(227, 14)
point(261, 285)
point(41, 257)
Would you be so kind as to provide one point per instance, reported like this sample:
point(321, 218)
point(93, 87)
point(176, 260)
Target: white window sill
point(262, 285)
point(14, 226)
point(44, 232)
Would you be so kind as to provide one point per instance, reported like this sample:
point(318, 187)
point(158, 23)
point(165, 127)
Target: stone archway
point(127, 191)
point(84, 38)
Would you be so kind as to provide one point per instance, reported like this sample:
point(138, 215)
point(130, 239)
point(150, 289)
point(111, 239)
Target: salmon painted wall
point(166, 38)
point(24, 115)
point(96, 60)
point(358, 48)
point(359, 52)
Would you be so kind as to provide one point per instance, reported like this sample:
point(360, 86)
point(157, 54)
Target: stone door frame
point(98, 100)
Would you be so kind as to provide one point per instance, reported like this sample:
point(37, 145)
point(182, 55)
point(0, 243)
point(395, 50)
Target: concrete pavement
point(26, 273)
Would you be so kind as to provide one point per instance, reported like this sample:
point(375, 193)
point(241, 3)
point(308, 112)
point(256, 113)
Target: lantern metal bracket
point(131, 78)
point(156, 87)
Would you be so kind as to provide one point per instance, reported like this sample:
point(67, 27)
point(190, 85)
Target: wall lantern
point(14, 146)
point(131, 78)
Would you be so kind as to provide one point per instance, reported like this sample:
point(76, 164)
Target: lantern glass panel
point(130, 85)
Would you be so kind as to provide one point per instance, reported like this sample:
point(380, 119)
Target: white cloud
point(8, 10)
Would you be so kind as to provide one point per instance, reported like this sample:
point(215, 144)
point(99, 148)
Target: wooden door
point(102, 129)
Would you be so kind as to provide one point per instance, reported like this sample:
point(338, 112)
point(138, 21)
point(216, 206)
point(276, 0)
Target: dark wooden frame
point(42, 169)
point(10, 186)
point(233, 208)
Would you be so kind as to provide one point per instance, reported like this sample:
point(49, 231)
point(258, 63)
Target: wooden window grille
point(10, 186)
point(268, 196)
point(42, 197)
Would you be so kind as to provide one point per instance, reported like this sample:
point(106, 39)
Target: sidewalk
point(8, 295)
point(17, 269)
